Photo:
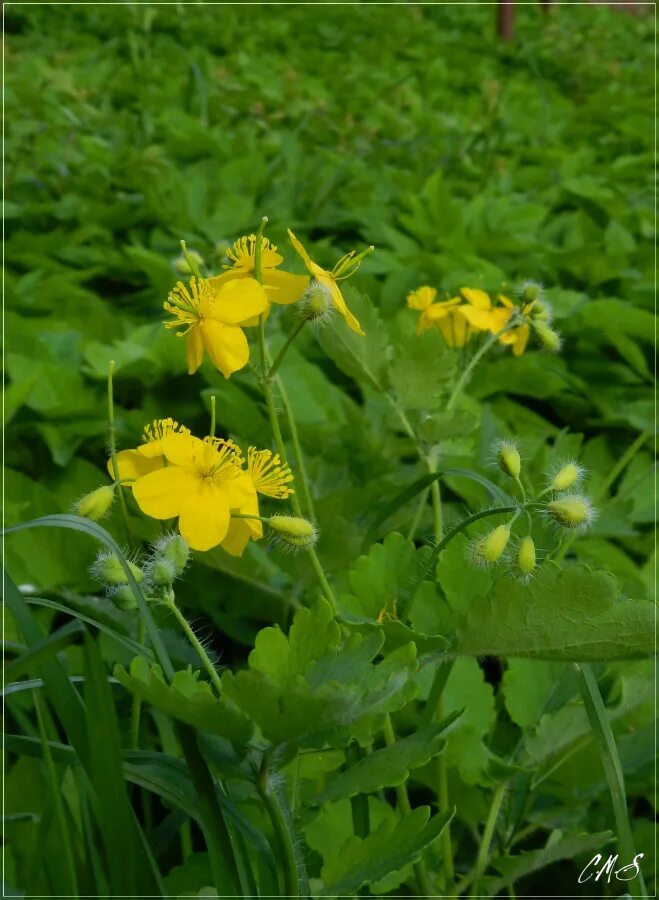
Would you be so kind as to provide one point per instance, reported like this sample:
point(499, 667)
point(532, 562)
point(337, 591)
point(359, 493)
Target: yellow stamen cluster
point(243, 253)
point(269, 475)
point(186, 305)
point(219, 459)
point(161, 428)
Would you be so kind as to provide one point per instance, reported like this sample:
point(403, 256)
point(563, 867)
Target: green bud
point(573, 511)
point(530, 292)
point(174, 549)
point(294, 531)
point(108, 570)
point(161, 572)
point(96, 504)
point(526, 556)
point(566, 477)
point(490, 548)
point(509, 459)
point(317, 303)
point(550, 339)
point(123, 598)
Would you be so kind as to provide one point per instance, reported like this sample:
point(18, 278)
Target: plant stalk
point(195, 642)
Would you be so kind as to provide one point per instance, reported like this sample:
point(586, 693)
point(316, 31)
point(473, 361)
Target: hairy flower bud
point(530, 291)
point(316, 303)
point(488, 549)
point(96, 504)
point(294, 531)
point(174, 548)
point(123, 598)
point(550, 339)
point(508, 459)
point(572, 511)
point(160, 572)
point(108, 570)
point(567, 476)
point(525, 561)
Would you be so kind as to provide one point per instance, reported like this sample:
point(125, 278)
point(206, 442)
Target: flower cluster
point(560, 503)
point(212, 313)
point(460, 318)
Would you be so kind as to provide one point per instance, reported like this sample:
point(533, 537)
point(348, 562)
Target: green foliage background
point(465, 161)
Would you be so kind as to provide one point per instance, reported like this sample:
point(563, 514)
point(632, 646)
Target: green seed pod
point(526, 555)
point(96, 504)
point(567, 476)
point(509, 459)
point(572, 511)
point(108, 570)
point(295, 532)
point(489, 549)
point(550, 339)
point(123, 598)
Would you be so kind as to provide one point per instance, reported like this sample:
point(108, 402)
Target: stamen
point(269, 475)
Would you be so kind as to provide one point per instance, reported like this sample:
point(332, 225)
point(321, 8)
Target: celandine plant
point(349, 755)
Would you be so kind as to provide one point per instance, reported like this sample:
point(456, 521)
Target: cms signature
point(623, 873)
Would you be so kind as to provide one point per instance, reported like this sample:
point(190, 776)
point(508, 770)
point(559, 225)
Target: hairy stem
point(476, 358)
point(195, 642)
point(112, 442)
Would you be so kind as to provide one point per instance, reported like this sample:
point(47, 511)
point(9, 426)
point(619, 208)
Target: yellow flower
point(445, 316)
point(211, 316)
point(280, 287)
point(270, 478)
point(345, 267)
point(483, 315)
point(202, 483)
point(133, 464)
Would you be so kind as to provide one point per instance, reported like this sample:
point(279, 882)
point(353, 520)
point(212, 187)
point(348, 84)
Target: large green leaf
point(394, 845)
point(574, 614)
point(187, 699)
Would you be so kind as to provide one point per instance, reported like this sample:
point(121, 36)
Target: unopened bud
point(530, 291)
point(550, 339)
point(567, 476)
point(96, 504)
point(508, 459)
point(317, 302)
point(123, 598)
point(542, 312)
point(108, 570)
point(174, 549)
point(488, 550)
point(526, 556)
point(161, 572)
point(294, 531)
point(573, 511)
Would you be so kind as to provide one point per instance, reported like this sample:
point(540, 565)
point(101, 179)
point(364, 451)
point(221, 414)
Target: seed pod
point(489, 549)
point(567, 476)
point(509, 459)
point(294, 531)
point(572, 511)
point(96, 504)
point(526, 556)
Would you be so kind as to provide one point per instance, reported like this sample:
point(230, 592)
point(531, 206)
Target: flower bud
point(526, 556)
point(550, 339)
point(488, 550)
point(317, 303)
point(175, 549)
point(572, 511)
point(508, 459)
point(108, 570)
point(567, 476)
point(530, 291)
point(123, 598)
point(96, 504)
point(542, 312)
point(161, 572)
point(295, 532)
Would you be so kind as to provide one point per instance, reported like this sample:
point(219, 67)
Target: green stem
point(191, 261)
point(603, 734)
point(420, 870)
point(112, 442)
point(194, 640)
point(436, 496)
point(283, 832)
point(488, 833)
point(417, 515)
point(272, 371)
point(136, 704)
point(476, 358)
point(361, 825)
point(295, 438)
point(212, 428)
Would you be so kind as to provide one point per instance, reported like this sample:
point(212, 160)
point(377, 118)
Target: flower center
point(219, 460)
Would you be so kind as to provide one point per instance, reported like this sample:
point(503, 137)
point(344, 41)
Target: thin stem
point(191, 261)
point(194, 640)
point(603, 734)
point(272, 371)
point(434, 712)
point(417, 515)
point(488, 832)
point(436, 496)
point(136, 705)
point(112, 442)
point(420, 870)
point(212, 428)
point(282, 829)
point(303, 478)
point(476, 358)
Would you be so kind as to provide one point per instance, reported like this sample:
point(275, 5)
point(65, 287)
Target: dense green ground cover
point(465, 162)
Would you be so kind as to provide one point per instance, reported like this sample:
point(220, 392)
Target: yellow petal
point(287, 288)
point(236, 301)
point(204, 520)
point(238, 536)
point(422, 297)
point(476, 297)
point(505, 301)
point(133, 464)
point(522, 340)
point(437, 311)
point(313, 267)
point(163, 493)
point(340, 304)
point(219, 281)
point(182, 449)
point(484, 320)
point(194, 349)
point(226, 345)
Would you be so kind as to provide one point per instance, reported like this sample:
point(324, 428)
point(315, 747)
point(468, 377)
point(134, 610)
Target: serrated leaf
point(394, 845)
point(187, 699)
point(390, 765)
point(422, 371)
point(574, 614)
